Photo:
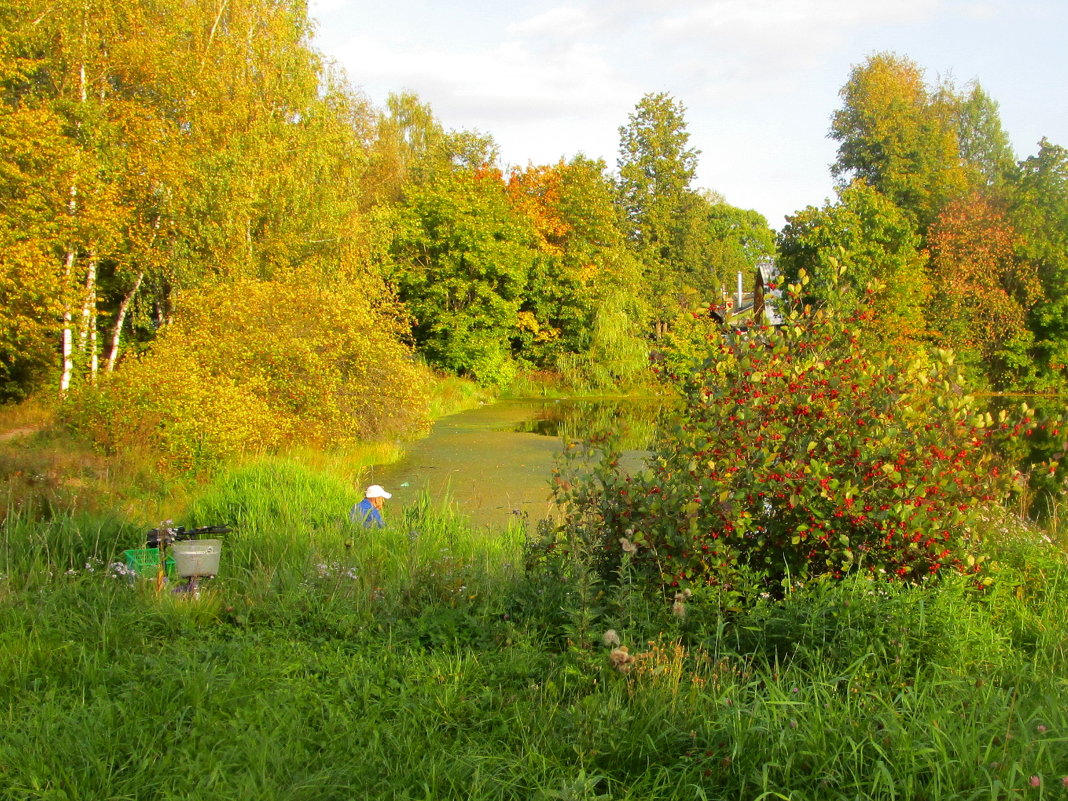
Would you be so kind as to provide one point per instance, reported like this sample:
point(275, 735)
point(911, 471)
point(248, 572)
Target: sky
point(759, 79)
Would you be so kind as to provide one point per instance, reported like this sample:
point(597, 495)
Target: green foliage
point(585, 276)
point(1040, 215)
point(460, 259)
point(617, 357)
point(984, 145)
point(863, 241)
point(451, 394)
point(410, 146)
point(253, 365)
point(656, 166)
point(721, 242)
point(655, 169)
point(408, 139)
point(985, 291)
point(31, 290)
point(156, 147)
point(802, 452)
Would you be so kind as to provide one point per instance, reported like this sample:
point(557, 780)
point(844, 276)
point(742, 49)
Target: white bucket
point(197, 557)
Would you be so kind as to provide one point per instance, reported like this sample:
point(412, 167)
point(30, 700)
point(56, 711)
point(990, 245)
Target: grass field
point(425, 662)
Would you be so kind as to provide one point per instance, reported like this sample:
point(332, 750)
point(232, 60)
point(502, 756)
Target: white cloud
point(563, 22)
point(319, 8)
point(801, 16)
point(759, 78)
point(510, 78)
point(761, 39)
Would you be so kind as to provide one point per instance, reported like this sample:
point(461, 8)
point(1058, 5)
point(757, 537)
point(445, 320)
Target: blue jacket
point(364, 512)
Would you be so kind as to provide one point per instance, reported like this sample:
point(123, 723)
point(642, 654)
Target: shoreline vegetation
point(42, 460)
point(430, 662)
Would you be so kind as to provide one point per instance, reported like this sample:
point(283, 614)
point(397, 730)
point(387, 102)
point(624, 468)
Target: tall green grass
point(423, 662)
point(452, 394)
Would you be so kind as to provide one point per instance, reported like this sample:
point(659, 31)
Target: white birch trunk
point(88, 307)
point(87, 337)
point(120, 319)
point(94, 343)
point(67, 355)
point(215, 25)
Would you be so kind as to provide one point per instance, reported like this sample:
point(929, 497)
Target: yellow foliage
point(254, 365)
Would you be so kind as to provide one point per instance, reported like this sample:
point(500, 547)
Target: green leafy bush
point(801, 451)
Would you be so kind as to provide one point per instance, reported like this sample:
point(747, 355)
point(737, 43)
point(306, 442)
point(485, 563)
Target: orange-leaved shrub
point(254, 365)
point(800, 451)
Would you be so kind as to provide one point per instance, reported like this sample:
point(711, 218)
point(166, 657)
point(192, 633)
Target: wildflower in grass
point(1040, 728)
point(678, 609)
point(627, 545)
point(121, 570)
point(610, 639)
point(1064, 781)
point(1036, 781)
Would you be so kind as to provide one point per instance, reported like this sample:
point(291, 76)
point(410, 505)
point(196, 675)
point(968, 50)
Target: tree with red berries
point(803, 452)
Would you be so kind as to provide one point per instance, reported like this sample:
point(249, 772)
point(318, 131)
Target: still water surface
point(496, 462)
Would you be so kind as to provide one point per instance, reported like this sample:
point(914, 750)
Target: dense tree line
point(964, 245)
point(162, 156)
point(159, 149)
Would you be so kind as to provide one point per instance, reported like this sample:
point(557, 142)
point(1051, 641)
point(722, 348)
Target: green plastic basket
point(144, 563)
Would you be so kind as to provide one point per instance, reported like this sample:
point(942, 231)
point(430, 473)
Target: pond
point(495, 462)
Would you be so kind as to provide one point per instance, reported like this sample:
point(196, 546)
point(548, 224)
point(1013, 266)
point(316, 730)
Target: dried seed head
point(620, 659)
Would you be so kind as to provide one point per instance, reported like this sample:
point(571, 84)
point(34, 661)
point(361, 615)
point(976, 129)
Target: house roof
point(768, 272)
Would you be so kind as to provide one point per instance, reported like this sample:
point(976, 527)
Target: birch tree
point(198, 146)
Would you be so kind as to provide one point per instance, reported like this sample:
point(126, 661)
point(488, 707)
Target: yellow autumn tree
point(254, 365)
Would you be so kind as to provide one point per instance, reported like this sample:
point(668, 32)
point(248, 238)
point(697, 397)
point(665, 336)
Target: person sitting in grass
point(369, 510)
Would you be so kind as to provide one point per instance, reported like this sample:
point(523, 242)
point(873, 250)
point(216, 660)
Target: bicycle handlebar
point(178, 533)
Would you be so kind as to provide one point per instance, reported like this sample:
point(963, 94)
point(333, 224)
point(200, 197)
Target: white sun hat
point(375, 491)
